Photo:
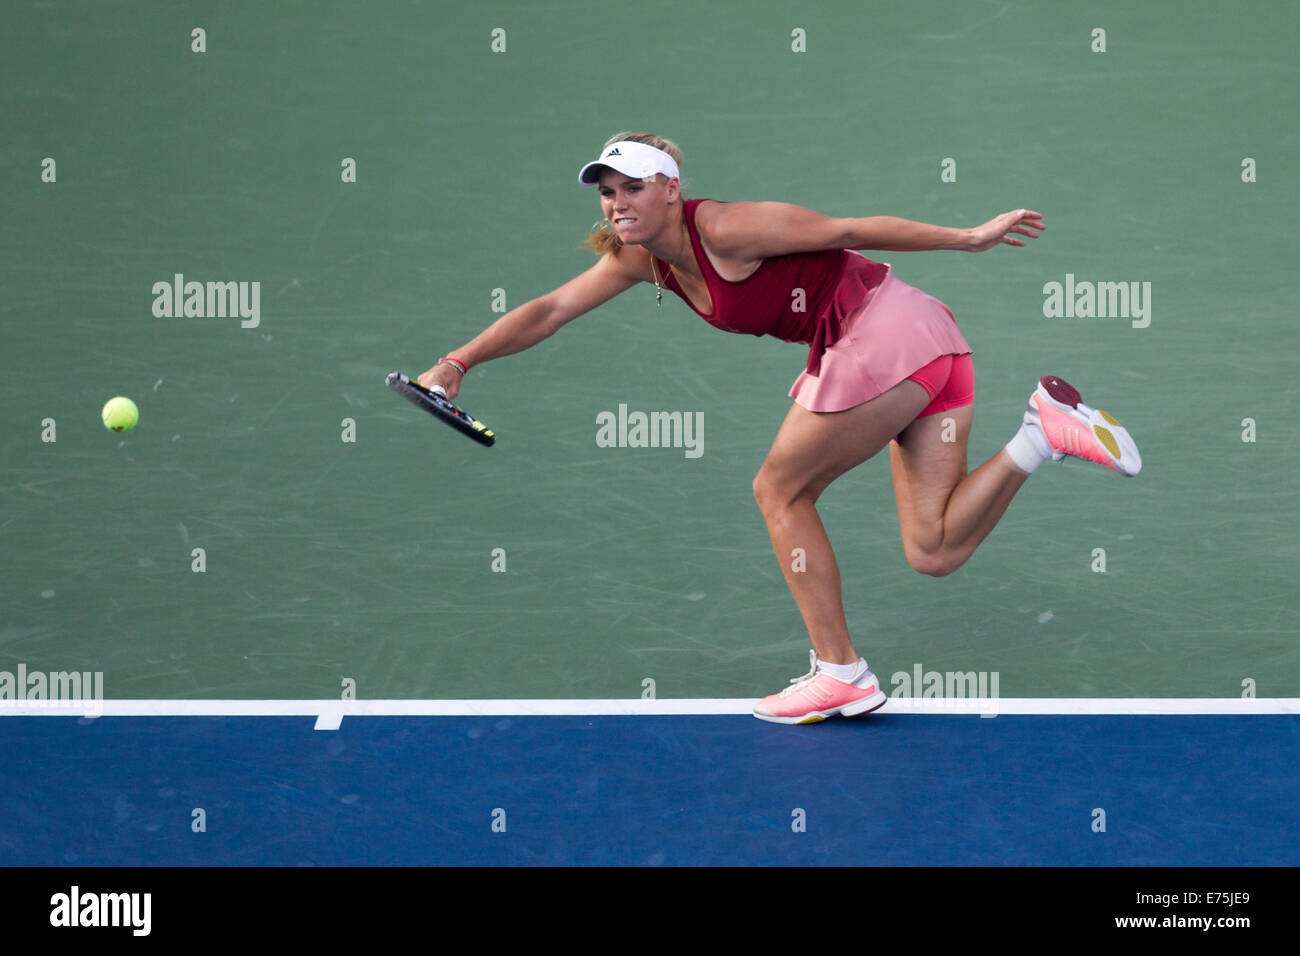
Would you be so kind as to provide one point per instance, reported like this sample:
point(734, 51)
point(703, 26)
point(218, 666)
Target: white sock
point(1029, 448)
point(842, 672)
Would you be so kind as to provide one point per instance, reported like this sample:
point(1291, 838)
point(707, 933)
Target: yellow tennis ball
point(120, 414)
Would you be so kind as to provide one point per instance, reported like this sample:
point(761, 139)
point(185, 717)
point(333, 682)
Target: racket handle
point(440, 390)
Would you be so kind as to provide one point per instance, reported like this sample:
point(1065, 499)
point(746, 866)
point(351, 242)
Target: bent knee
point(764, 491)
point(936, 564)
point(771, 496)
point(774, 495)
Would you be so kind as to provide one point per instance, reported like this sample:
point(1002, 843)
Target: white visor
point(631, 159)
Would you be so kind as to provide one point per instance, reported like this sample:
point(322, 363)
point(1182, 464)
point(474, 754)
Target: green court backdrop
point(372, 559)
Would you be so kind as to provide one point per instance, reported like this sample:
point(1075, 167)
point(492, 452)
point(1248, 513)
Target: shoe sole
point(856, 709)
point(1110, 434)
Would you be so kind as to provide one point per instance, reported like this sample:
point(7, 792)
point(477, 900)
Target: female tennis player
point(887, 366)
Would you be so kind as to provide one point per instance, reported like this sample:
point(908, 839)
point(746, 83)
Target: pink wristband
point(455, 363)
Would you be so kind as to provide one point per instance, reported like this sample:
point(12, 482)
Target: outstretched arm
point(902, 235)
point(757, 230)
point(523, 327)
point(891, 234)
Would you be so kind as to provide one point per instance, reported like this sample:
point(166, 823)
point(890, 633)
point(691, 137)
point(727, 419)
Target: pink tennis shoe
point(1073, 428)
point(815, 696)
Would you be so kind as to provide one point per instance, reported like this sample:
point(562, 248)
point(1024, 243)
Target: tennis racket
point(435, 402)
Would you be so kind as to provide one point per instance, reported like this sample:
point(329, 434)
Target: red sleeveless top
point(833, 284)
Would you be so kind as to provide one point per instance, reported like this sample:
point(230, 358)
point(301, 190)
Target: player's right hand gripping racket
point(437, 404)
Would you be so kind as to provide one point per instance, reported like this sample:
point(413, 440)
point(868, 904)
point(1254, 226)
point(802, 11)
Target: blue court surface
point(900, 790)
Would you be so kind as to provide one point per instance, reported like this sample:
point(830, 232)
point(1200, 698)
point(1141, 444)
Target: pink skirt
point(897, 330)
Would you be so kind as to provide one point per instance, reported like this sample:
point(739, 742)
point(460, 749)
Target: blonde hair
point(602, 238)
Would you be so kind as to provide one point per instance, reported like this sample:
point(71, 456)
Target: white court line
point(329, 714)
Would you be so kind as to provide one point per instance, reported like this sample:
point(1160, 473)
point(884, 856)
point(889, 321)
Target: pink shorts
point(949, 381)
point(896, 332)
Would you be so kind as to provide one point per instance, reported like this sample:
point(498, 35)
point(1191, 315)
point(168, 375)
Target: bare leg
point(943, 512)
point(810, 451)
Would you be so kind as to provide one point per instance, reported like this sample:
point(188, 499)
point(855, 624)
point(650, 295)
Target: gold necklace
point(659, 291)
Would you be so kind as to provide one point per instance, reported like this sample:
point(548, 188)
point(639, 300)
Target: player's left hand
point(1018, 222)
